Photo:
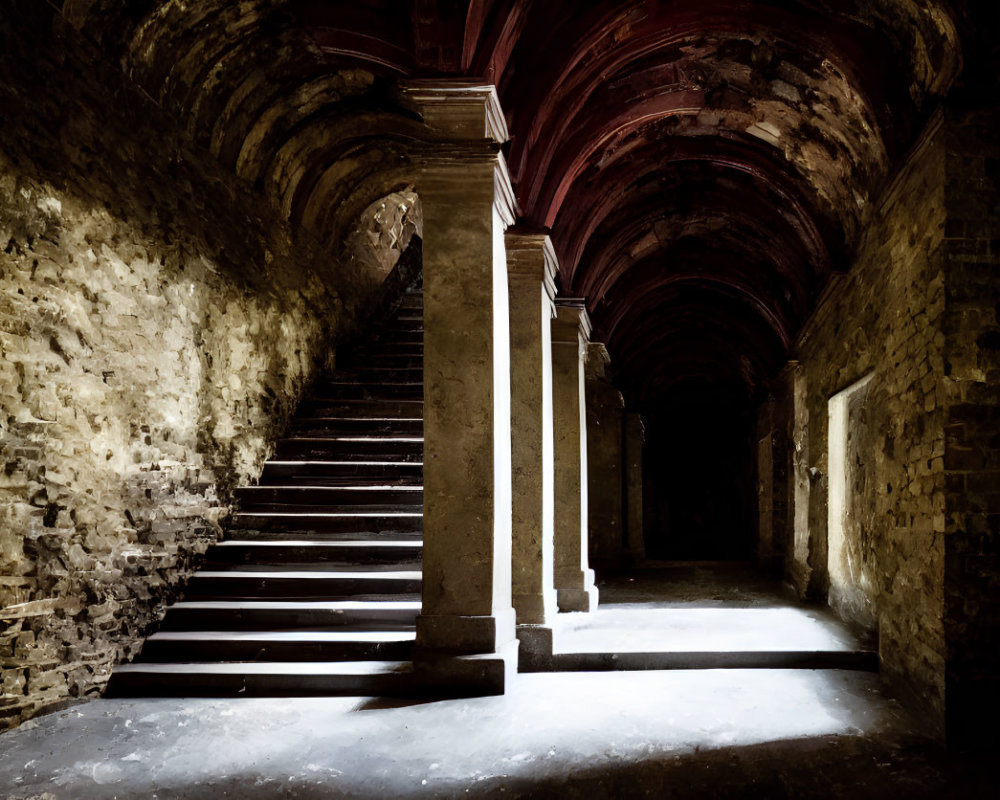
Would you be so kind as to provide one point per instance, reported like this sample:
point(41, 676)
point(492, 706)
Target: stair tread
point(354, 438)
point(371, 382)
point(271, 667)
point(347, 567)
point(305, 575)
point(322, 463)
point(361, 538)
point(321, 543)
point(286, 636)
point(297, 605)
point(340, 418)
point(331, 514)
point(341, 488)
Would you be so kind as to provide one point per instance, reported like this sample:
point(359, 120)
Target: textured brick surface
point(156, 329)
point(884, 318)
point(972, 444)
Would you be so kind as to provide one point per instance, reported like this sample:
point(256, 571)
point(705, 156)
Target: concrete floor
point(628, 630)
point(764, 733)
point(686, 615)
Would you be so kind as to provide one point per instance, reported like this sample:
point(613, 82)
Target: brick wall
point(972, 444)
point(884, 318)
point(156, 326)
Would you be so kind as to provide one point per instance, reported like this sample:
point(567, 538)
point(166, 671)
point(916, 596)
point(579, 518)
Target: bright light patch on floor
point(648, 630)
point(548, 727)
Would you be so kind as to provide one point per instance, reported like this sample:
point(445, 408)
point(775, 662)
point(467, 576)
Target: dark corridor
point(699, 499)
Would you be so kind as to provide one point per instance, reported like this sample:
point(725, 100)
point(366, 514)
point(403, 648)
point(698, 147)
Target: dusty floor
point(701, 606)
point(764, 733)
point(712, 733)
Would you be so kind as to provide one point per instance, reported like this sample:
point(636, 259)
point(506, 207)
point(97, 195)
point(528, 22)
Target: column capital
point(461, 172)
point(598, 359)
point(458, 108)
point(531, 254)
point(572, 323)
point(790, 366)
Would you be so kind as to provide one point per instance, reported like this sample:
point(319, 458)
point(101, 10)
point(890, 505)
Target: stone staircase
point(315, 588)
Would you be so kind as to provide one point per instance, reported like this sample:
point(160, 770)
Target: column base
point(536, 647)
point(534, 609)
point(466, 675)
point(465, 633)
point(583, 598)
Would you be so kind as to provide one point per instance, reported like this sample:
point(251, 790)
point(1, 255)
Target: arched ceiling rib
point(296, 96)
point(703, 165)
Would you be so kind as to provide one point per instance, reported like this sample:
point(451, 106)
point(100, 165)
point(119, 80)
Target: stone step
point(336, 473)
point(366, 614)
point(402, 324)
point(374, 350)
point(338, 391)
point(386, 360)
point(337, 496)
point(350, 448)
point(314, 551)
point(860, 660)
point(353, 523)
point(325, 509)
point(393, 336)
point(372, 373)
point(263, 679)
point(335, 424)
point(278, 531)
point(362, 407)
point(285, 583)
point(294, 645)
point(311, 569)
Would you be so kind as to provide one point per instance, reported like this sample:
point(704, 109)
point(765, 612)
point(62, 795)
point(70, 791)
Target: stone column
point(634, 435)
point(531, 265)
point(570, 334)
point(465, 632)
point(604, 461)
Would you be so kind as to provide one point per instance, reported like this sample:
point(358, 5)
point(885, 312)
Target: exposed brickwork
point(972, 447)
point(156, 330)
point(885, 317)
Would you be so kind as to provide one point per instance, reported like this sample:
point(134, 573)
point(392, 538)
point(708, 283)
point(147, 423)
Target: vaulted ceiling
point(702, 165)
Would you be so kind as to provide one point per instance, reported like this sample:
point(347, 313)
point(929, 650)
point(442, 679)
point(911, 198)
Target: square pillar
point(574, 579)
point(634, 436)
point(604, 461)
point(465, 632)
point(531, 266)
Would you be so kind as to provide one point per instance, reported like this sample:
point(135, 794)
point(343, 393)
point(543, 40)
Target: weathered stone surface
point(467, 436)
point(574, 578)
point(885, 318)
point(634, 436)
point(972, 444)
point(918, 313)
point(156, 328)
point(605, 483)
point(531, 267)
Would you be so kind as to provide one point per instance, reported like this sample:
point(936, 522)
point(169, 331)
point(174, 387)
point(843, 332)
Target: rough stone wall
point(605, 476)
point(886, 318)
point(156, 329)
point(972, 445)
